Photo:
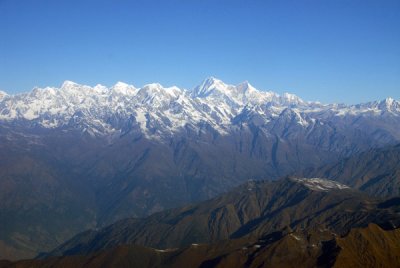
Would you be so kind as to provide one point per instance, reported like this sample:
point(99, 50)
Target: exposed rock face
point(376, 171)
point(251, 211)
point(80, 157)
point(370, 246)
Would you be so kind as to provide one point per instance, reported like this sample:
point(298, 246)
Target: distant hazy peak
point(389, 100)
point(123, 88)
point(69, 84)
point(389, 103)
point(291, 98)
point(121, 84)
point(2, 94)
point(245, 86)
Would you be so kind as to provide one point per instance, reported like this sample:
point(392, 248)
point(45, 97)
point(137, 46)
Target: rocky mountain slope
point(283, 249)
point(159, 111)
point(338, 227)
point(79, 157)
point(251, 211)
point(376, 171)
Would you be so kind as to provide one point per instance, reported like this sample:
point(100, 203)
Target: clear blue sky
point(327, 50)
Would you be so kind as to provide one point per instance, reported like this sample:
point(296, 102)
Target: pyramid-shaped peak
point(68, 84)
point(212, 82)
point(208, 86)
point(389, 104)
point(212, 79)
point(389, 101)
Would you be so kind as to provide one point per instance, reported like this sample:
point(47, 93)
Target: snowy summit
point(159, 111)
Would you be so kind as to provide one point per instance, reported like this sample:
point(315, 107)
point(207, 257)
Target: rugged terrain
point(251, 211)
point(353, 231)
point(80, 157)
point(376, 171)
point(284, 249)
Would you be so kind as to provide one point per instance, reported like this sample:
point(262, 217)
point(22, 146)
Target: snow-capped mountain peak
point(209, 86)
point(120, 84)
point(69, 84)
point(289, 98)
point(245, 86)
point(212, 103)
point(389, 100)
point(390, 105)
point(239, 95)
point(123, 88)
point(2, 94)
point(154, 90)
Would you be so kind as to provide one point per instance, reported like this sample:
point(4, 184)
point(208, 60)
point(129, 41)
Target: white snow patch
point(295, 237)
point(100, 110)
point(318, 184)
